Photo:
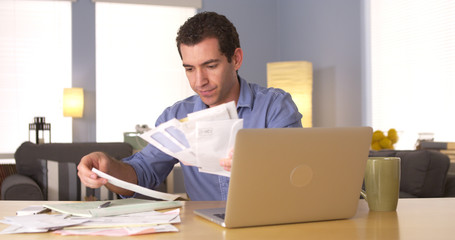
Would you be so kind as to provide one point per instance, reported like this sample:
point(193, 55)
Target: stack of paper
point(38, 223)
point(127, 224)
point(80, 219)
point(201, 140)
point(116, 207)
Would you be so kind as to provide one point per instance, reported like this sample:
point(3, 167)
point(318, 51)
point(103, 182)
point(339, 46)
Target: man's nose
point(201, 77)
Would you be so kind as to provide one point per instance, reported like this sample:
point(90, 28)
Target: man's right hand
point(96, 160)
point(109, 165)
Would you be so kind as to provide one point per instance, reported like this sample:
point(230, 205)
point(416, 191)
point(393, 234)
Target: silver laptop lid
point(296, 175)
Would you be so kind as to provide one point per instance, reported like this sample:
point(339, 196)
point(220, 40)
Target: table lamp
point(296, 78)
point(73, 102)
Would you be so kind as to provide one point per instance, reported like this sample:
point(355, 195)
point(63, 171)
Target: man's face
point(210, 75)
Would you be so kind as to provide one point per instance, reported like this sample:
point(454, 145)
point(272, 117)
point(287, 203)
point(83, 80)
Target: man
point(209, 46)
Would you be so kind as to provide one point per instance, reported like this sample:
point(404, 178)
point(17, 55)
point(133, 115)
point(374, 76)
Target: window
point(35, 66)
point(413, 68)
point(138, 70)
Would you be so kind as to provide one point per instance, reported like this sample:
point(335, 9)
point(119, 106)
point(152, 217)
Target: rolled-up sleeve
point(151, 165)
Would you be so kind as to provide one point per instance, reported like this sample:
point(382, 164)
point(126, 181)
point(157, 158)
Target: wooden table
point(414, 219)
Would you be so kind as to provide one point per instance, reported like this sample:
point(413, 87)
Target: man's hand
point(109, 165)
point(226, 163)
point(96, 160)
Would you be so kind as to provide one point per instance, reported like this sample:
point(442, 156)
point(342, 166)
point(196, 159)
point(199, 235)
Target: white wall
point(327, 33)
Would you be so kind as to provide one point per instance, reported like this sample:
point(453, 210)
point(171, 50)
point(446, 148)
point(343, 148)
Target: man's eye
point(188, 69)
point(212, 66)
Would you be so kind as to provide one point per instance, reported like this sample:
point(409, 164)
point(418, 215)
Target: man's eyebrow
point(204, 63)
point(210, 61)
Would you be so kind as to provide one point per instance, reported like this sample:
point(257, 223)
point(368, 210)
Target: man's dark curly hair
point(209, 24)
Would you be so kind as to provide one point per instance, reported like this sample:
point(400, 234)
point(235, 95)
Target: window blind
point(35, 66)
point(413, 68)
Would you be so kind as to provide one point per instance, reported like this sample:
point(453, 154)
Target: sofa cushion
point(58, 161)
point(61, 183)
point(20, 187)
point(60, 180)
point(450, 186)
point(423, 172)
point(28, 154)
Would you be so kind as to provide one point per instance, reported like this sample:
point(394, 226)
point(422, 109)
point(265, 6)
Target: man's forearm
point(124, 172)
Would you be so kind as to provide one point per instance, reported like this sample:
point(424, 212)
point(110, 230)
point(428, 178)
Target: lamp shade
point(73, 102)
point(296, 78)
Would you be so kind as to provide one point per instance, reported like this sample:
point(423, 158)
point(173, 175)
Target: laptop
point(292, 175)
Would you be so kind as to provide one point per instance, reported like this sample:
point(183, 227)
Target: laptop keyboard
point(220, 215)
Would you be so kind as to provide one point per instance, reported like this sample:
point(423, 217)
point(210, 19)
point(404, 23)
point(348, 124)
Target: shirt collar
point(199, 105)
point(246, 95)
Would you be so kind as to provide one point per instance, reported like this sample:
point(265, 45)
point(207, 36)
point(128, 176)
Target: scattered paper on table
point(31, 210)
point(21, 229)
point(38, 223)
point(131, 220)
point(121, 225)
point(120, 232)
point(117, 207)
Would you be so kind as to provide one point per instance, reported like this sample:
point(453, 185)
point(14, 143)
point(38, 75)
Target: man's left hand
point(226, 163)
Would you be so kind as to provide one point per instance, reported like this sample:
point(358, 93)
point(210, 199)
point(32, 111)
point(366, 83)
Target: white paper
point(132, 220)
point(11, 229)
point(31, 210)
point(214, 142)
point(117, 207)
point(135, 188)
point(170, 138)
point(127, 224)
point(120, 232)
point(40, 222)
point(183, 141)
point(120, 225)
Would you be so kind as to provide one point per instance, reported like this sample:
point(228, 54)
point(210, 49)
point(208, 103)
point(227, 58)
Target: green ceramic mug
point(382, 183)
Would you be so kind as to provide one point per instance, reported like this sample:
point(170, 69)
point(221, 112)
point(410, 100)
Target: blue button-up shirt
point(259, 107)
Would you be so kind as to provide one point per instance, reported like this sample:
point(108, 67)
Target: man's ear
point(237, 59)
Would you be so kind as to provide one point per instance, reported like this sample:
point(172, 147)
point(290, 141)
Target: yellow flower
point(378, 135)
point(379, 141)
point(375, 146)
point(386, 143)
point(392, 135)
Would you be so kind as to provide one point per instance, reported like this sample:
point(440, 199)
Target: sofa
point(48, 171)
point(424, 173)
